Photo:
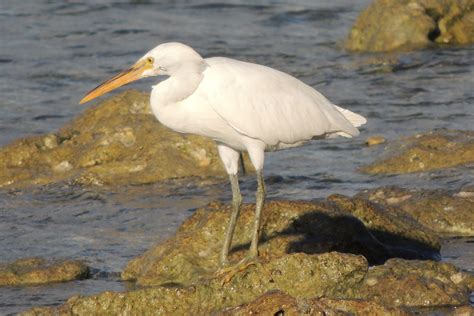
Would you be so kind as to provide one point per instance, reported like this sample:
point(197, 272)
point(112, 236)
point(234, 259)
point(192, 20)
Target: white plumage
point(242, 106)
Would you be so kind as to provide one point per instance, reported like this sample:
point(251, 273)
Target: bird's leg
point(253, 251)
point(242, 164)
point(236, 203)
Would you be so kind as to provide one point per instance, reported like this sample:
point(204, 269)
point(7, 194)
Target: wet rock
point(329, 274)
point(342, 224)
point(298, 271)
point(296, 284)
point(444, 212)
point(424, 152)
point(30, 271)
point(416, 283)
point(407, 24)
point(375, 140)
point(279, 303)
point(117, 141)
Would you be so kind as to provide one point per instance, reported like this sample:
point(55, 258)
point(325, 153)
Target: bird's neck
point(179, 86)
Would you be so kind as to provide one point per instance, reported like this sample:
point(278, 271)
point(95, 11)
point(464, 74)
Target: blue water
point(52, 52)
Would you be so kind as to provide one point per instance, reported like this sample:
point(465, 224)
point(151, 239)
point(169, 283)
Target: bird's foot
point(227, 272)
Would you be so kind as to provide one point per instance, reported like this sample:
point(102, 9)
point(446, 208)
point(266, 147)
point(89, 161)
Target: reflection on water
point(51, 53)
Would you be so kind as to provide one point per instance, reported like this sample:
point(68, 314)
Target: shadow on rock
point(302, 266)
point(348, 225)
point(445, 212)
point(349, 235)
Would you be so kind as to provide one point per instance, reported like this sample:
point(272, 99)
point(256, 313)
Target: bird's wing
point(267, 104)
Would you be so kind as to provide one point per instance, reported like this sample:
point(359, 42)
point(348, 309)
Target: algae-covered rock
point(329, 274)
point(287, 227)
point(296, 284)
point(391, 226)
point(280, 303)
point(427, 151)
point(35, 270)
point(406, 24)
point(416, 283)
point(117, 141)
point(442, 211)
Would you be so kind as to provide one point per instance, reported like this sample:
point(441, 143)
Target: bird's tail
point(348, 128)
point(356, 119)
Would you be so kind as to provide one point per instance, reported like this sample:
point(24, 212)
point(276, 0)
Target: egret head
point(165, 59)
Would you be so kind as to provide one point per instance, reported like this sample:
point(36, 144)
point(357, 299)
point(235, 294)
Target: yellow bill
point(127, 76)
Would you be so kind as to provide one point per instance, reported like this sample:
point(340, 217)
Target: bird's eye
point(150, 60)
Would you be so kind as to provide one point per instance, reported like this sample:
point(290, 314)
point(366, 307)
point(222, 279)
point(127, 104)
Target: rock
point(115, 142)
point(398, 231)
point(298, 271)
point(416, 283)
point(279, 303)
point(425, 152)
point(407, 24)
point(342, 224)
point(441, 211)
point(375, 140)
point(35, 270)
point(462, 311)
point(329, 274)
point(297, 284)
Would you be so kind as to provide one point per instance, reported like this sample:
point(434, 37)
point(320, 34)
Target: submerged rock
point(375, 140)
point(117, 141)
point(427, 151)
point(406, 24)
point(444, 212)
point(343, 224)
point(29, 271)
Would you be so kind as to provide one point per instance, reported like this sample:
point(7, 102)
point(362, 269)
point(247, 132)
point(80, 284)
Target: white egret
point(240, 105)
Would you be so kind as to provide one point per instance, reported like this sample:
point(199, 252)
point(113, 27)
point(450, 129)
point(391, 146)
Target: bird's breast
point(194, 115)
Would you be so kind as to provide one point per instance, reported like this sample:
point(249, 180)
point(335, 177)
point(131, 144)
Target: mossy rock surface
point(295, 283)
point(387, 25)
point(416, 283)
point(423, 152)
point(33, 271)
point(343, 224)
point(280, 303)
point(116, 142)
point(299, 275)
point(446, 213)
point(314, 256)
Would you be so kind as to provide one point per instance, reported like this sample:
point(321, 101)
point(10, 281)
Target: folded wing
point(267, 104)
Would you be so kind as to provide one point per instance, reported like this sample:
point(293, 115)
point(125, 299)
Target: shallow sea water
point(52, 52)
